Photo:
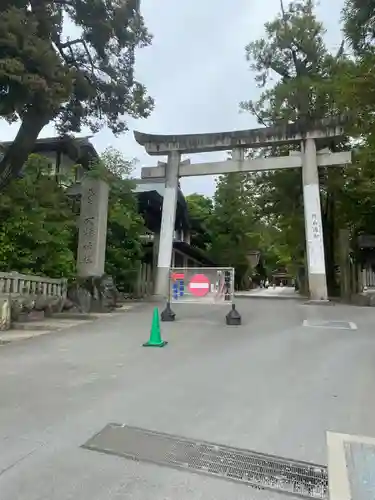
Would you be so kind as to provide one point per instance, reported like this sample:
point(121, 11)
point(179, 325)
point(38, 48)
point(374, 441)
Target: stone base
point(366, 299)
point(318, 287)
point(313, 302)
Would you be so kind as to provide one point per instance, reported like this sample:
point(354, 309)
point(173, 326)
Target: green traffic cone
point(155, 335)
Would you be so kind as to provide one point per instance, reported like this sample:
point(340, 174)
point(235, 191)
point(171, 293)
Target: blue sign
point(178, 289)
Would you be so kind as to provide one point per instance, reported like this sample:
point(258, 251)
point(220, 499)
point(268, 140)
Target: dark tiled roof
point(78, 149)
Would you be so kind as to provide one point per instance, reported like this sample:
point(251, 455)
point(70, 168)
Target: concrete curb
point(264, 297)
point(54, 325)
point(319, 303)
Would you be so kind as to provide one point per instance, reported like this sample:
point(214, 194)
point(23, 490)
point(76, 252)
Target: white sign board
point(201, 285)
point(314, 230)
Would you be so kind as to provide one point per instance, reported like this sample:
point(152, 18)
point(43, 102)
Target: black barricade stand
point(233, 318)
point(167, 314)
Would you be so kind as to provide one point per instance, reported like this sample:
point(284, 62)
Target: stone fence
point(14, 283)
point(20, 294)
point(25, 297)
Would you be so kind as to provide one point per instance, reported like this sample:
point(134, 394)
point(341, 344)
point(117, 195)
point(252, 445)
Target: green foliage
point(86, 81)
point(275, 250)
point(359, 27)
point(355, 82)
point(38, 233)
point(37, 224)
point(293, 58)
point(354, 88)
point(125, 225)
point(232, 224)
point(200, 209)
point(279, 207)
point(356, 199)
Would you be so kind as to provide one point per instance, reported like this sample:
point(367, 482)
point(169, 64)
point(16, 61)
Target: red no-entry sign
point(199, 285)
point(178, 276)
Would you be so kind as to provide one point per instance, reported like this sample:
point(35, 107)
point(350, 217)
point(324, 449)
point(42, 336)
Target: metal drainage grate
point(337, 325)
point(254, 469)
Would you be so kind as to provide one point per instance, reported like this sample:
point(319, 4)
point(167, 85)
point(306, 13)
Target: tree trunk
point(345, 267)
point(23, 144)
point(329, 243)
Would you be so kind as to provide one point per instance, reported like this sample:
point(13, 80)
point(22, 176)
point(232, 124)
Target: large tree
point(294, 69)
point(355, 94)
point(355, 83)
point(85, 79)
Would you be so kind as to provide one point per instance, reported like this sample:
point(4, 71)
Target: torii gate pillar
point(313, 222)
point(168, 221)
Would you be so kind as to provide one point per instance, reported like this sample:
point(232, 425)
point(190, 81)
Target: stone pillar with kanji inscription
point(316, 266)
point(92, 236)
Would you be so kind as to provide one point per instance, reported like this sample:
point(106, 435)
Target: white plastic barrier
point(201, 285)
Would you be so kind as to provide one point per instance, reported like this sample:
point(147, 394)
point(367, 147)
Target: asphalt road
point(270, 385)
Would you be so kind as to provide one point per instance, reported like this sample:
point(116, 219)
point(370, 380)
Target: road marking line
point(326, 324)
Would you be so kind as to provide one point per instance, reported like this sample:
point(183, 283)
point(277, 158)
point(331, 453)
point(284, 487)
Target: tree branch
point(296, 62)
point(258, 117)
point(283, 15)
point(340, 52)
point(22, 146)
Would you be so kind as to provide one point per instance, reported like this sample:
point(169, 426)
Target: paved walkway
point(271, 385)
point(279, 292)
point(58, 322)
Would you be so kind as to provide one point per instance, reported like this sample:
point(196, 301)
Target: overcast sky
point(197, 73)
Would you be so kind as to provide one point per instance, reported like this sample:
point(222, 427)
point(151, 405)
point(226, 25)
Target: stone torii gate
point(314, 153)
